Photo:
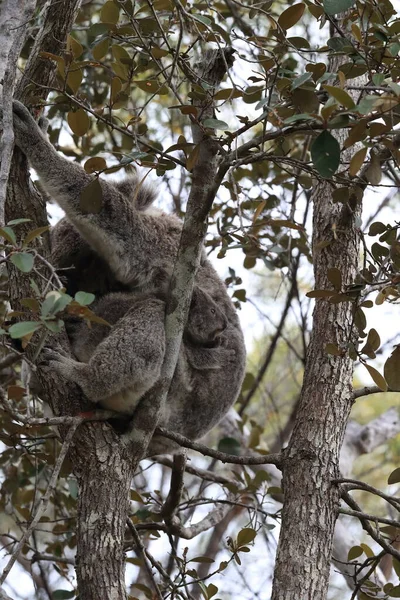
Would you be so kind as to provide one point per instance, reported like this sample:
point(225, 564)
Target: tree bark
point(311, 460)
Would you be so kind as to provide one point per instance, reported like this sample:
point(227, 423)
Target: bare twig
point(145, 559)
point(171, 504)
point(374, 533)
point(270, 459)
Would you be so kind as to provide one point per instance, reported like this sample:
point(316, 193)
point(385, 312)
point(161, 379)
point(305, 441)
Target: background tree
point(281, 157)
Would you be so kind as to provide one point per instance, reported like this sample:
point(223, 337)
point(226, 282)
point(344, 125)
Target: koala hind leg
point(125, 364)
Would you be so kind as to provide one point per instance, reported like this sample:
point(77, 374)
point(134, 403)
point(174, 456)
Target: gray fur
point(130, 248)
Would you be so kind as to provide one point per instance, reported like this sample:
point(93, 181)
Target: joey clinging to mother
point(128, 248)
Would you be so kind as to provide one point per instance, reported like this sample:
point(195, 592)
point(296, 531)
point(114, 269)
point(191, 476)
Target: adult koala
point(130, 247)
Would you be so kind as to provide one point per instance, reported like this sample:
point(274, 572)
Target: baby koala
point(202, 334)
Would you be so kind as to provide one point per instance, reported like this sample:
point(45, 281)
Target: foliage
point(126, 94)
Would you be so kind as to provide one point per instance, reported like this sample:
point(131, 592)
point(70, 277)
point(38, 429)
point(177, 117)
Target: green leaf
point(354, 552)
point(300, 80)
point(8, 234)
point(340, 95)
point(63, 595)
point(35, 233)
point(333, 7)
point(291, 16)
point(391, 370)
point(246, 536)
point(373, 339)
point(299, 117)
point(19, 330)
point(325, 154)
point(202, 19)
point(374, 170)
point(377, 378)
point(110, 13)
point(229, 445)
point(201, 559)
point(319, 294)
point(91, 200)
point(376, 228)
point(55, 302)
point(18, 221)
point(23, 261)
point(84, 298)
point(394, 476)
point(333, 350)
point(100, 50)
point(78, 121)
point(152, 86)
point(215, 124)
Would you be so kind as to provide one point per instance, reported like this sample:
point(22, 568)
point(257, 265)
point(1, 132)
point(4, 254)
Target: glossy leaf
point(94, 164)
point(246, 536)
point(23, 261)
point(378, 379)
point(79, 122)
point(357, 161)
point(394, 476)
point(392, 370)
point(334, 7)
point(84, 298)
point(325, 153)
point(20, 330)
point(215, 124)
point(291, 16)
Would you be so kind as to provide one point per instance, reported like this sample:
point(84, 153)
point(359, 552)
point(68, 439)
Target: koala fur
point(128, 247)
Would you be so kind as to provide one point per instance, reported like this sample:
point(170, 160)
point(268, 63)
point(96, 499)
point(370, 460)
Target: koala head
point(206, 320)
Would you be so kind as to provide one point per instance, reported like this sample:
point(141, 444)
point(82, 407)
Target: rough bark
point(311, 460)
point(14, 19)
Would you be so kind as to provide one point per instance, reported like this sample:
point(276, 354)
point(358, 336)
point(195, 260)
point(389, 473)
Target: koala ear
point(142, 194)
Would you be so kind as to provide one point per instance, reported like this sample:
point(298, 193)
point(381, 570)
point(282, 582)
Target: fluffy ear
point(142, 194)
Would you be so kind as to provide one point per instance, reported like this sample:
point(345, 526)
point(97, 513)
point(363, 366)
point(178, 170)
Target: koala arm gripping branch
point(119, 233)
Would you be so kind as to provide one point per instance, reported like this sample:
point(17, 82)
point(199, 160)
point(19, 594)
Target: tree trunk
point(311, 460)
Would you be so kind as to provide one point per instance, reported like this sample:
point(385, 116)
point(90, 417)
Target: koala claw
point(50, 357)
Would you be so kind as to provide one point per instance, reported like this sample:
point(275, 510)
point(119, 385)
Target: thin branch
point(272, 347)
point(368, 390)
point(374, 533)
point(270, 459)
point(203, 474)
point(354, 484)
point(146, 561)
point(170, 507)
point(362, 515)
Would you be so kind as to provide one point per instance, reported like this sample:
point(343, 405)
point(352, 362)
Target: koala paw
point(56, 359)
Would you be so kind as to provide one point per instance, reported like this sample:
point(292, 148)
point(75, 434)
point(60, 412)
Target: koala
point(98, 350)
point(202, 332)
point(128, 247)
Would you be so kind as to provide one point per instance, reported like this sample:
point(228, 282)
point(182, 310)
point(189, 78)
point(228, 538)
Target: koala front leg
point(117, 231)
point(54, 359)
point(126, 364)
